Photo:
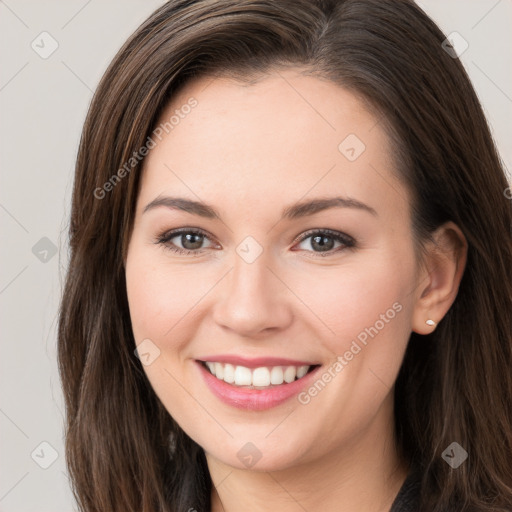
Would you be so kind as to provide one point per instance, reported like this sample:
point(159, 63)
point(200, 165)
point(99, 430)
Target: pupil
point(323, 242)
point(191, 240)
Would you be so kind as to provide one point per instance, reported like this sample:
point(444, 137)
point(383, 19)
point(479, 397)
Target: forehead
point(284, 135)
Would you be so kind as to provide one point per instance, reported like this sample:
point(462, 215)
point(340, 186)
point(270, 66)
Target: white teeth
point(219, 370)
point(258, 377)
point(276, 376)
point(229, 373)
point(289, 374)
point(261, 377)
point(243, 376)
point(301, 371)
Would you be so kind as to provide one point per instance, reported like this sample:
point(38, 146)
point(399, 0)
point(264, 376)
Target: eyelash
point(347, 241)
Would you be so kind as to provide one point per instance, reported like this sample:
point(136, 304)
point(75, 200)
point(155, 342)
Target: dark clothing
point(407, 498)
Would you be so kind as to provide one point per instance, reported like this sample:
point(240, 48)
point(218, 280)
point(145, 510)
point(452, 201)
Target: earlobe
point(438, 281)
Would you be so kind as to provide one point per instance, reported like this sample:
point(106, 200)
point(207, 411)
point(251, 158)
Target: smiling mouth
point(264, 377)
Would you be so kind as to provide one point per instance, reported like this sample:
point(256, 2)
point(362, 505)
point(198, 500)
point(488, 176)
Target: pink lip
point(256, 362)
point(254, 399)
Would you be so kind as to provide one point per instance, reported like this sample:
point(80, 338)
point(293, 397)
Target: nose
point(253, 299)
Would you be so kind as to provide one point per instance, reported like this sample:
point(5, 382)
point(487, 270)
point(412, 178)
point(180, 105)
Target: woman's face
point(306, 263)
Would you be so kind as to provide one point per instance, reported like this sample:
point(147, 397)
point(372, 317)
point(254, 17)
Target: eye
point(323, 241)
point(187, 241)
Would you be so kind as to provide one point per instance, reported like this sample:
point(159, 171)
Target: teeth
point(301, 371)
point(276, 375)
point(290, 373)
point(258, 377)
point(219, 370)
point(229, 373)
point(261, 377)
point(243, 376)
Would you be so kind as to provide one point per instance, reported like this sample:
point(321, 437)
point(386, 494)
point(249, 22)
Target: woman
point(289, 282)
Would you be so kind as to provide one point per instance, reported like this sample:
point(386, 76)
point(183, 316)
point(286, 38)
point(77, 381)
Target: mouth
point(260, 378)
point(256, 383)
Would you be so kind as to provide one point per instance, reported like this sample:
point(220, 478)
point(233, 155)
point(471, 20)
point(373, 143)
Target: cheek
point(158, 309)
point(353, 298)
point(144, 297)
point(366, 307)
point(158, 295)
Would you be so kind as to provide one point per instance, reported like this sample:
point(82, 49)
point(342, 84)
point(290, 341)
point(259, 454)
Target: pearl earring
point(430, 322)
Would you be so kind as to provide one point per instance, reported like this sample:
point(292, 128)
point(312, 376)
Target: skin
point(250, 151)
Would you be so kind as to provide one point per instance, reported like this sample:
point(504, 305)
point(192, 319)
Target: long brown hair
point(124, 451)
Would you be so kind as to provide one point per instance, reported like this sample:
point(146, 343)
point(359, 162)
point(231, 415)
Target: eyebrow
point(295, 211)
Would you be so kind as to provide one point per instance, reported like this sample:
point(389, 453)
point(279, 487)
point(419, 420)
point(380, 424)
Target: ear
point(439, 277)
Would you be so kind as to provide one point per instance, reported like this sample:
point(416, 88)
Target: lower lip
point(254, 399)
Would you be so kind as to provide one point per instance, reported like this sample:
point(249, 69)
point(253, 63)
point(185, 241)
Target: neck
point(365, 474)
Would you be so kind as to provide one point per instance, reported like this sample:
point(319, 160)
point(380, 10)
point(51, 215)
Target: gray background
point(43, 102)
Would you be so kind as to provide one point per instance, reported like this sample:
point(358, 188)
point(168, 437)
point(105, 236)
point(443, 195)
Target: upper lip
point(255, 362)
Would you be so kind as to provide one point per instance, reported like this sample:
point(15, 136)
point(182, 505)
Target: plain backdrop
point(43, 103)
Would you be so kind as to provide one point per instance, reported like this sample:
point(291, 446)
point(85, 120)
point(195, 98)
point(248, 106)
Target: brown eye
point(324, 241)
point(184, 241)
